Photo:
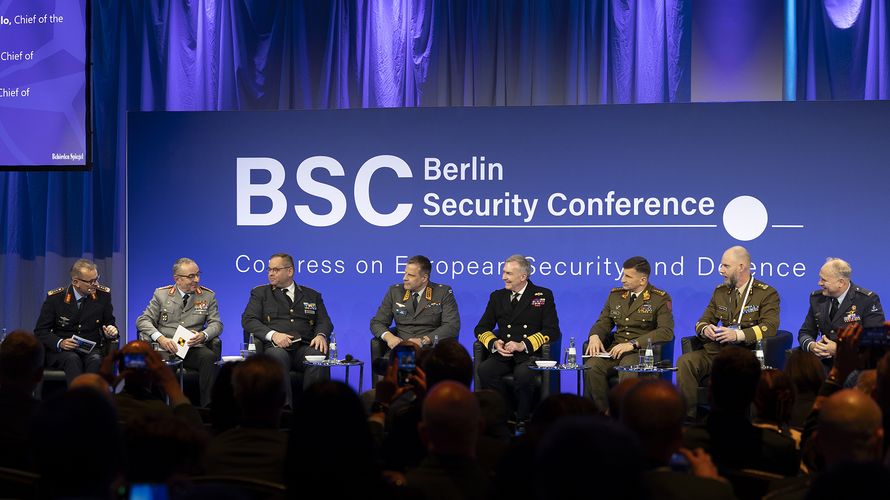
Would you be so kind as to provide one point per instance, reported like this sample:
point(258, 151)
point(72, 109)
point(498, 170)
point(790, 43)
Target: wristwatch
point(635, 344)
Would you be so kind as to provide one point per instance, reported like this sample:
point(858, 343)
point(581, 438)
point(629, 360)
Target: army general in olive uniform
point(518, 320)
point(422, 310)
point(639, 313)
point(742, 311)
point(290, 320)
point(83, 308)
point(837, 304)
point(193, 306)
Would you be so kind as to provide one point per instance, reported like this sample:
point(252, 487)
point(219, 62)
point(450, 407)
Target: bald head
point(451, 419)
point(850, 428)
point(91, 381)
point(654, 411)
point(735, 266)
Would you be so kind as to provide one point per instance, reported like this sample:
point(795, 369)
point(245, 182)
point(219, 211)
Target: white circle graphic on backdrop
point(745, 218)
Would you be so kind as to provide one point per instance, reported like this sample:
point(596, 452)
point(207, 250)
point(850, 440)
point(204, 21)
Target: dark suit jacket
point(60, 318)
point(16, 413)
point(447, 477)
point(859, 306)
point(268, 310)
point(533, 321)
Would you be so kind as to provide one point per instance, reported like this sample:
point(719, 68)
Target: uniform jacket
point(435, 314)
point(533, 321)
point(650, 317)
point(165, 313)
point(60, 319)
point(760, 317)
point(268, 310)
point(859, 306)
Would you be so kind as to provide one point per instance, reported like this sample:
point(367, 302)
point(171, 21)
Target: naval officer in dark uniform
point(290, 320)
point(639, 313)
point(518, 320)
point(193, 306)
point(836, 304)
point(421, 310)
point(84, 309)
point(742, 311)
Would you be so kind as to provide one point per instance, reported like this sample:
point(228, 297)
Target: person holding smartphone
point(837, 304)
point(518, 320)
point(77, 322)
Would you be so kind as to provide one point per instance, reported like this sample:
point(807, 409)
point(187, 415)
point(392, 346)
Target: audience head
point(774, 398)
point(867, 382)
point(734, 377)
point(225, 413)
point(258, 385)
point(451, 420)
point(805, 371)
point(73, 430)
point(21, 361)
point(577, 447)
point(556, 407)
point(654, 411)
point(617, 393)
point(850, 428)
point(494, 413)
point(161, 448)
point(448, 361)
point(92, 381)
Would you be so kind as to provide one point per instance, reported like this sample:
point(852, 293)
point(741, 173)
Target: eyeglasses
point(279, 269)
point(89, 282)
point(190, 277)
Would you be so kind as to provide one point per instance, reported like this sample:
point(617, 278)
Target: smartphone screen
point(134, 360)
point(874, 336)
point(148, 491)
point(406, 360)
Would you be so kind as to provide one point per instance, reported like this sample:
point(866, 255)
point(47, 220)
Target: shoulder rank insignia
point(103, 288)
point(659, 292)
point(762, 286)
point(204, 288)
point(57, 290)
point(864, 291)
point(619, 289)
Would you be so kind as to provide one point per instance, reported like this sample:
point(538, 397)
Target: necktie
point(514, 299)
point(834, 307)
point(80, 303)
point(185, 299)
point(290, 301)
point(416, 298)
point(630, 304)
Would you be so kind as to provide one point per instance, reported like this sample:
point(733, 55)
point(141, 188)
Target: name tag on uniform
point(751, 309)
point(201, 307)
point(645, 309)
point(721, 308)
point(309, 307)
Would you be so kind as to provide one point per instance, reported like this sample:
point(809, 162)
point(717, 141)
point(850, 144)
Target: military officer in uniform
point(193, 306)
point(290, 320)
point(518, 320)
point(422, 310)
point(639, 313)
point(835, 305)
point(81, 309)
point(742, 311)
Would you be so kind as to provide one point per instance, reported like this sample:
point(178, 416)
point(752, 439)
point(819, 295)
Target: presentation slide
point(352, 194)
point(43, 84)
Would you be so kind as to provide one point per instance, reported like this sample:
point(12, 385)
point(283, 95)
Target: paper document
point(83, 345)
point(181, 338)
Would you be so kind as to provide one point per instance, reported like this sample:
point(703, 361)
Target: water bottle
point(571, 353)
point(332, 352)
point(759, 353)
point(435, 340)
point(648, 356)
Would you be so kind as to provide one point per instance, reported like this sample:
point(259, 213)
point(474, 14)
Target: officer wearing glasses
point(290, 320)
point(76, 322)
point(193, 306)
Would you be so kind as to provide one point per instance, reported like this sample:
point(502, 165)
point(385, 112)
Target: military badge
point(309, 307)
point(201, 307)
point(722, 308)
point(63, 321)
point(852, 318)
point(645, 309)
point(538, 301)
point(874, 308)
point(164, 317)
point(751, 309)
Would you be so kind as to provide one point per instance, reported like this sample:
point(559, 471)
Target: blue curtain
point(843, 49)
point(184, 55)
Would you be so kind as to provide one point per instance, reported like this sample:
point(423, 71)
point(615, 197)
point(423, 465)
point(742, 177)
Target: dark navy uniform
point(269, 310)
point(533, 322)
point(61, 319)
point(859, 306)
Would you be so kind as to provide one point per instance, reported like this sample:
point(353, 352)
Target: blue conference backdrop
point(351, 194)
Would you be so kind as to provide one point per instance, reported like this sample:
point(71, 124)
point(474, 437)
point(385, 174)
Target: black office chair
point(773, 356)
point(548, 383)
point(663, 352)
point(379, 349)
